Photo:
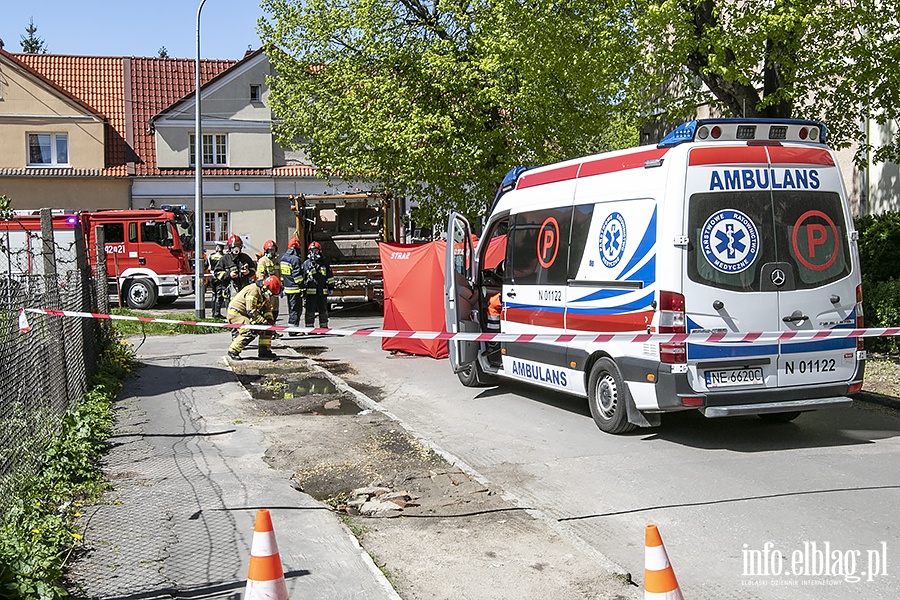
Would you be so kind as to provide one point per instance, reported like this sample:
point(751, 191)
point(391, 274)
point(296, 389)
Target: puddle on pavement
point(282, 392)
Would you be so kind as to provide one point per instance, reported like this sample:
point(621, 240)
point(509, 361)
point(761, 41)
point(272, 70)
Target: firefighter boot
point(266, 352)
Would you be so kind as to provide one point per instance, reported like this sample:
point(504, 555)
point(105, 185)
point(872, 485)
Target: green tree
point(836, 61)
point(438, 100)
point(31, 43)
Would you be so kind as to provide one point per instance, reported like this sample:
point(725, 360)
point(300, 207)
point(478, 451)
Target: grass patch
point(128, 328)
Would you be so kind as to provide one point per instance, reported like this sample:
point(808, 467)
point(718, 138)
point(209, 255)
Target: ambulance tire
point(608, 397)
point(782, 417)
point(474, 376)
point(140, 294)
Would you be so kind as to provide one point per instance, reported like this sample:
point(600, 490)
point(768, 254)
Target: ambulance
point(725, 226)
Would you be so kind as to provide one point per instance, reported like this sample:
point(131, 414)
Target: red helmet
point(270, 247)
point(294, 243)
point(273, 284)
point(314, 246)
point(235, 242)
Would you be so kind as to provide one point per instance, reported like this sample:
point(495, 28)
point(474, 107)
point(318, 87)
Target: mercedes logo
point(778, 277)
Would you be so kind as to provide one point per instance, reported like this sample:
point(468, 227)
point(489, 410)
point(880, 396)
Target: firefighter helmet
point(235, 242)
point(273, 284)
point(294, 243)
point(314, 246)
point(270, 248)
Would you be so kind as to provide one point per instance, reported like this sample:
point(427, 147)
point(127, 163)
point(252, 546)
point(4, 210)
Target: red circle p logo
point(548, 242)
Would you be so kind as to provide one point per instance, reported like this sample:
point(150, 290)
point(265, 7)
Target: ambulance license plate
point(733, 377)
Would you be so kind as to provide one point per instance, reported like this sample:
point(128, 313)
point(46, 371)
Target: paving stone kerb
point(188, 477)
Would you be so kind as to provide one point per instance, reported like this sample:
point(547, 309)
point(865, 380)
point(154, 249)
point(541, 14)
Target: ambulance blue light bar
point(760, 130)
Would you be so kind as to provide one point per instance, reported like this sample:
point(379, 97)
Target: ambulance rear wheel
point(608, 397)
point(141, 294)
point(474, 376)
point(783, 417)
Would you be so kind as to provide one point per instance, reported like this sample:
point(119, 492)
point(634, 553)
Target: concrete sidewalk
point(188, 477)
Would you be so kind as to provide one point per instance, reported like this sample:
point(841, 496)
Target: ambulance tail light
point(860, 344)
point(672, 320)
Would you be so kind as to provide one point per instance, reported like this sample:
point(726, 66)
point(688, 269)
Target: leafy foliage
point(833, 61)
point(879, 246)
point(437, 101)
point(882, 309)
point(40, 532)
point(6, 209)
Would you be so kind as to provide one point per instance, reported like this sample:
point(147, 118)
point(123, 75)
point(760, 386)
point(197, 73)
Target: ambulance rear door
point(815, 278)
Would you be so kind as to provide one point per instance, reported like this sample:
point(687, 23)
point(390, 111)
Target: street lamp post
point(199, 291)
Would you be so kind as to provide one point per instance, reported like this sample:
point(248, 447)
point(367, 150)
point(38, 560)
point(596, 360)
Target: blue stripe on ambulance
point(637, 304)
point(730, 350)
point(648, 241)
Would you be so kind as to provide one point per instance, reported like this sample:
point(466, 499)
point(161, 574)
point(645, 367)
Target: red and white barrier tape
point(760, 337)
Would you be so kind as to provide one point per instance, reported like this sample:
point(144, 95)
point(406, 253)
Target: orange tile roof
point(128, 92)
point(156, 84)
point(98, 82)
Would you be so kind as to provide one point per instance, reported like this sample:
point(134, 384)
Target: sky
point(122, 28)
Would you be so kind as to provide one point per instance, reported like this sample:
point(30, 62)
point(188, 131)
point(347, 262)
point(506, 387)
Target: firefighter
point(292, 278)
point(216, 288)
point(319, 282)
point(253, 306)
point(268, 266)
point(235, 268)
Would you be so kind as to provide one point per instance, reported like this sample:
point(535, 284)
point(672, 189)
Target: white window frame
point(216, 226)
point(215, 150)
point(255, 92)
point(55, 139)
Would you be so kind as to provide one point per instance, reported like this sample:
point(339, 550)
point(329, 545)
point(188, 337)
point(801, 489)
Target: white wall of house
point(883, 178)
point(228, 106)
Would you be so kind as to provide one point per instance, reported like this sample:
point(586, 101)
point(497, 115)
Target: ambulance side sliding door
point(535, 296)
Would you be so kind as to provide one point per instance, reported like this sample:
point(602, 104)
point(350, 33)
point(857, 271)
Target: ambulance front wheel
point(474, 376)
point(608, 397)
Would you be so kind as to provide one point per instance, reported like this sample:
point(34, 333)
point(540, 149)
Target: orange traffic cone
point(659, 578)
point(265, 578)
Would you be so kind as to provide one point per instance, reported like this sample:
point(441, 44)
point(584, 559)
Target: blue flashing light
point(683, 133)
point(509, 180)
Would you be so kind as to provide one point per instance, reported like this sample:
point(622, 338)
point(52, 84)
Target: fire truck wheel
point(608, 397)
point(783, 417)
point(141, 294)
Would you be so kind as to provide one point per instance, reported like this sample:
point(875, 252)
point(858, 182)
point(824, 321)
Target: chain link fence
point(45, 371)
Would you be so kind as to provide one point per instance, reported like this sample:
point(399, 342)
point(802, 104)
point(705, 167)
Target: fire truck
point(349, 228)
point(149, 257)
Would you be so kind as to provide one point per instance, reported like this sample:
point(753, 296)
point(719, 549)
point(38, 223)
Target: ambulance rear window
point(733, 235)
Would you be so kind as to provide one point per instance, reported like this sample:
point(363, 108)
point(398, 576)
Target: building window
point(215, 150)
point(48, 149)
point(256, 93)
point(215, 227)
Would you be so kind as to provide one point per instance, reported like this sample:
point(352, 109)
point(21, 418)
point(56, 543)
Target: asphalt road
point(746, 510)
